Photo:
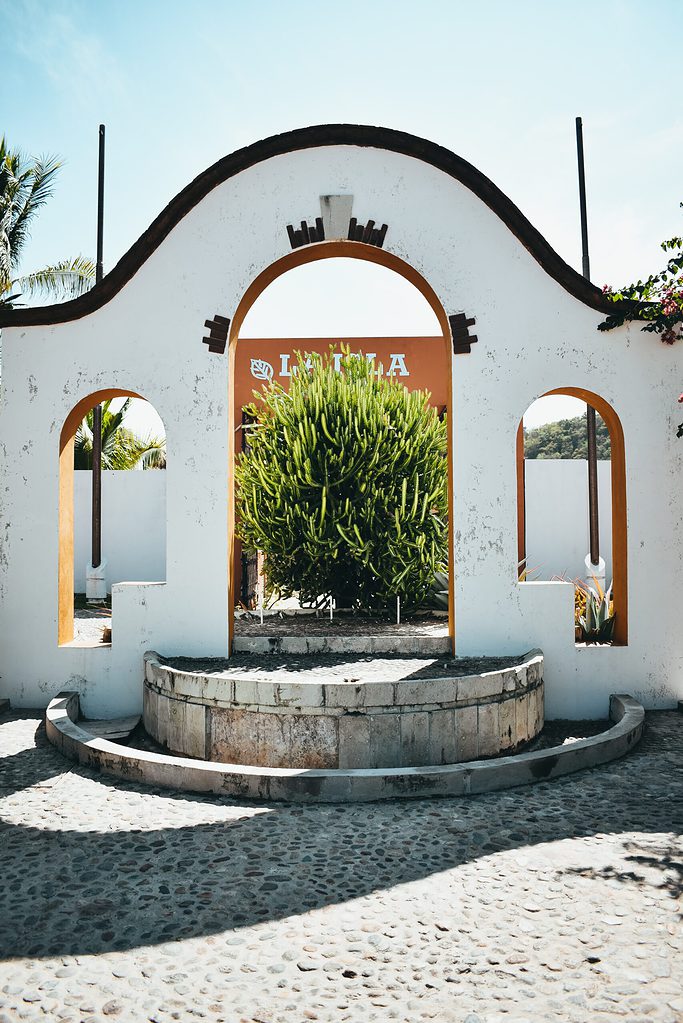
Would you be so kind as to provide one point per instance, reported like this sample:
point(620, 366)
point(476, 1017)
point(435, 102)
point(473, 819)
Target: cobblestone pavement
point(555, 902)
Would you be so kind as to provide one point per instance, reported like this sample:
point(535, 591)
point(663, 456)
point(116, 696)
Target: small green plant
point(594, 613)
point(344, 486)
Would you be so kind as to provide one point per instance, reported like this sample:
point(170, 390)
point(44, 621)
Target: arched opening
point(617, 482)
point(297, 258)
point(133, 437)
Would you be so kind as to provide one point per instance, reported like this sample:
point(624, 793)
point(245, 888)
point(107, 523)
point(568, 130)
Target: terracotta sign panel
point(417, 362)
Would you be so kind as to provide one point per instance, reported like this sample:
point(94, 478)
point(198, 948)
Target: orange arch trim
point(65, 569)
point(298, 257)
point(619, 516)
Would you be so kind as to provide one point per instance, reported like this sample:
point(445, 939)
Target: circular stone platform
point(342, 712)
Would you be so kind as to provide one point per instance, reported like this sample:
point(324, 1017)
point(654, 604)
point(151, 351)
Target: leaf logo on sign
point(261, 369)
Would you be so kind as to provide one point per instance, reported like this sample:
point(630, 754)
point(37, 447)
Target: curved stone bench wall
point(228, 718)
point(70, 736)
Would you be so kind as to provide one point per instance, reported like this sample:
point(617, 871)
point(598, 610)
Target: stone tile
point(162, 718)
point(194, 736)
point(176, 724)
point(489, 730)
point(522, 717)
point(535, 719)
point(218, 689)
point(508, 724)
point(149, 710)
point(487, 685)
point(344, 694)
point(297, 694)
point(385, 739)
point(232, 736)
point(466, 733)
point(378, 694)
point(511, 680)
point(354, 741)
point(442, 738)
point(313, 742)
point(245, 692)
point(414, 739)
point(274, 738)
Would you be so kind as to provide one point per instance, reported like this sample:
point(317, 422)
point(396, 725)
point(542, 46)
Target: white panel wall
point(557, 517)
point(133, 526)
point(134, 522)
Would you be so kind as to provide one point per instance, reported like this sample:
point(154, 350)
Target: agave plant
point(596, 623)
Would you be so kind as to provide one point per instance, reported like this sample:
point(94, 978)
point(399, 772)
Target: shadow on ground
point(68, 891)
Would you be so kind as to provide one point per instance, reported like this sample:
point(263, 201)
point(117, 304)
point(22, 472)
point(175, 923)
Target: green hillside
point(564, 439)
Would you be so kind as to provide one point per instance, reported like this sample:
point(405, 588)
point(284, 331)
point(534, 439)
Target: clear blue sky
point(179, 85)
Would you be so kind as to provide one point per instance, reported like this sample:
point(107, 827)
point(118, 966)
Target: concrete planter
point(228, 717)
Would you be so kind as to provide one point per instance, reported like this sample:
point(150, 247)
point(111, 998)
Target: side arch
point(65, 570)
point(619, 502)
point(298, 257)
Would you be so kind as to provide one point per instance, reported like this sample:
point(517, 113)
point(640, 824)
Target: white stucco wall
point(133, 526)
point(557, 532)
point(533, 336)
point(134, 522)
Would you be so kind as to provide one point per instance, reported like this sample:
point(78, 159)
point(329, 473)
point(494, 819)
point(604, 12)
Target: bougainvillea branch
point(658, 300)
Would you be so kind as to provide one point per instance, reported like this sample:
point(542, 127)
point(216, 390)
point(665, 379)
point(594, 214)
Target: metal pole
point(585, 263)
point(100, 209)
point(591, 422)
point(97, 411)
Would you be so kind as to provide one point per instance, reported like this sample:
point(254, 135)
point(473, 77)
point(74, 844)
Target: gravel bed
point(340, 667)
point(343, 623)
point(89, 623)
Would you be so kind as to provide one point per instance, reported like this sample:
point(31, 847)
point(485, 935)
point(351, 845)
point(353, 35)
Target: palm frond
point(35, 186)
point(121, 448)
point(154, 457)
point(66, 279)
point(133, 452)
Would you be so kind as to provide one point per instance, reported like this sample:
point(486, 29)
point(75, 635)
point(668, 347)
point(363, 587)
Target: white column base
point(595, 573)
point(96, 582)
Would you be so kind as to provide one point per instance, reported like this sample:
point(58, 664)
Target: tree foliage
point(344, 486)
point(565, 439)
point(658, 300)
point(26, 184)
point(121, 448)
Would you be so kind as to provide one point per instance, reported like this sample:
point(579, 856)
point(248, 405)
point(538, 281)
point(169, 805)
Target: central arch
point(308, 254)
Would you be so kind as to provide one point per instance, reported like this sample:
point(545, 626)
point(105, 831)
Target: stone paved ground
point(557, 902)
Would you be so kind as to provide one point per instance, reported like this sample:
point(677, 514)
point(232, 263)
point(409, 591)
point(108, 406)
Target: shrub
point(344, 486)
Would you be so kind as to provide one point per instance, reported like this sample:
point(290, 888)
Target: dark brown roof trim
point(311, 138)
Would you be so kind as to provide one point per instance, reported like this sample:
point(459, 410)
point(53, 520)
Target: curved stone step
point(182, 774)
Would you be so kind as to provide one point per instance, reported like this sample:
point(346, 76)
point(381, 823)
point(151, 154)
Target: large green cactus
point(344, 486)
